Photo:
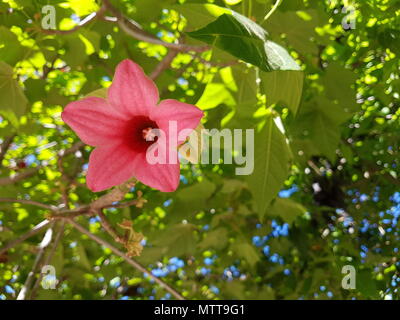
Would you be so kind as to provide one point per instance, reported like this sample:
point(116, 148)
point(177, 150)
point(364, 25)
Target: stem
point(35, 230)
point(250, 8)
point(164, 64)
point(31, 202)
point(5, 146)
point(130, 261)
point(91, 17)
point(133, 29)
point(48, 259)
point(276, 5)
point(21, 176)
point(24, 293)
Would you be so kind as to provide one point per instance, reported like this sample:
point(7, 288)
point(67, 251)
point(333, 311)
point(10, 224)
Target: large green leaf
point(246, 40)
point(283, 86)
point(12, 99)
point(246, 251)
point(325, 135)
point(271, 165)
point(287, 209)
point(198, 15)
point(298, 28)
point(214, 95)
point(179, 239)
point(10, 48)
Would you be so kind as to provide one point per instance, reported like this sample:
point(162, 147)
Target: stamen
point(148, 134)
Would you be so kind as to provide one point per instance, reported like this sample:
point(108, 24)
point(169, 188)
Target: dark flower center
point(140, 133)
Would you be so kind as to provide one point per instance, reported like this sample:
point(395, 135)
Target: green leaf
point(283, 87)
point(99, 93)
point(82, 257)
point(217, 239)
point(151, 255)
point(338, 83)
point(178, 240)
point(266, 293)
point(246, 251)
point(271, 165)
point(13, 102)
point(245, 40)
point(10, 48)
point(298, 28)
point(75, 50)
point(198, 15)
point(325, 135)
point(366, 284)
point(192, 198)
point(287, 209)
point(214, 95)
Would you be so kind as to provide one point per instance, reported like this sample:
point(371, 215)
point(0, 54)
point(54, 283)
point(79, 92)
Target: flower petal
point(187, 116)
point(110, 166)
point(131, 91)
point(163, 177)
point(94, 121)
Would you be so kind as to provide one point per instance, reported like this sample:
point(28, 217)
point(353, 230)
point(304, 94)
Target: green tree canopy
point(319, 83)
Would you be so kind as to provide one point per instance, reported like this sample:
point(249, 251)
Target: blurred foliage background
point(323, 97)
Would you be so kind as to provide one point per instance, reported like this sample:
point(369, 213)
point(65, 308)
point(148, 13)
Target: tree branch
point(21, 176)
point(109, 228)
point(23, 294)
point(164, 64)
point(35, 230)
point(5, 146)
point(130, 261)
point(32, 171)
point(115, 195)
point(134, 30)
point(48, 258)
point(91, 17)
point(30, 202)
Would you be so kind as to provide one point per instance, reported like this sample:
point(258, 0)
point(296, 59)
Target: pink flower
point(120, 129)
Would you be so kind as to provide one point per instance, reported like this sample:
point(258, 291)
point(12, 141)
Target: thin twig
point(20, 176)
point(133, 29)
point(115, 195)
point(269, 14)
point(24, 293)
point(48, 258)
point(32, 171)
point(35, 230)
point(109, 228)
point(30, 202)
point(164, 64)
point(5, 146)
point(91, 17)
point(130, 261)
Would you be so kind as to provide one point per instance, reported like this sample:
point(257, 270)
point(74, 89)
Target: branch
point(48, 259)
point(74, 148)
point(42, 246)
point(115, 195)
point(164, 64)
point(35, 230)
point(30, 202)
point(91, 17)
point(32, 171)
point(5, 146)
point(134, 30)
point(109, 228)
point(21, 176)
point(130, 261)
point(269, 14)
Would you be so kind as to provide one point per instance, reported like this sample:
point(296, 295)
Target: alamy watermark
point(203, 146)
point(349, 280)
